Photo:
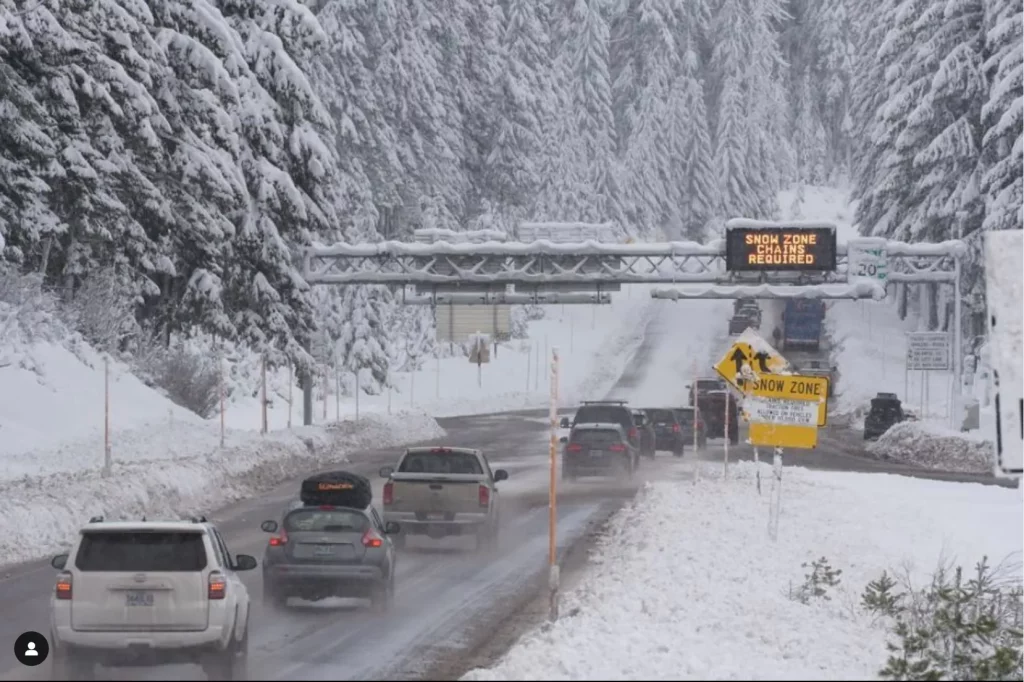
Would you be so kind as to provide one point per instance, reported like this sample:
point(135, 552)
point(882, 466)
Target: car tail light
point(218, 585)
point(279, 540)
point(633, 432)
point(484, 495)
point(372, 539)
point(675, 428)
point(389, 492)
point(574, 447)
point(618, 448)
point(64, 586)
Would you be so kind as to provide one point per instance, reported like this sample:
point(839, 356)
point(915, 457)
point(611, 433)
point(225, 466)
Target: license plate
point(323, 550)
point(436, 515)
point(139, 599)
point(597, 453)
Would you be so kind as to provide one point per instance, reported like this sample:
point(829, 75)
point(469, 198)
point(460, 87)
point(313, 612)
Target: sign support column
point(553, 572)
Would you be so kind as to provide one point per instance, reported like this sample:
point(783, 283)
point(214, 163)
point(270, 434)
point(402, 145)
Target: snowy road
point(447, 597)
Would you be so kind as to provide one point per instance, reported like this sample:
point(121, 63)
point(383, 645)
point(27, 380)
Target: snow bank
point(53, 394)
point(594, 344)
point(687, 585)
point(935, 447)
point(163, 474)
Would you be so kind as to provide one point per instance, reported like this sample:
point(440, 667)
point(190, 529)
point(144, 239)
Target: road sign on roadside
point(929, 351)
point(748, 358)
point(810, 391)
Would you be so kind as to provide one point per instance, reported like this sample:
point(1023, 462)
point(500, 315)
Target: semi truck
point(802, 323)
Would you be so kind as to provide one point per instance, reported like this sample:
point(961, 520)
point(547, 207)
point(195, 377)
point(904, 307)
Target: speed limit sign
point(866, 258)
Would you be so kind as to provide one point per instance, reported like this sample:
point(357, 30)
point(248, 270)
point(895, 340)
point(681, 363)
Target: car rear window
point(685, 415)
point(602, 414)
point(325, 521)
point(662, 416)
point(885, 407)
point(596, 437)
point(440, 463)
point(141, 552)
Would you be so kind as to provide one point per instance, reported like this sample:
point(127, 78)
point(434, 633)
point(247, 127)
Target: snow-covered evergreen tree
point(595, 122)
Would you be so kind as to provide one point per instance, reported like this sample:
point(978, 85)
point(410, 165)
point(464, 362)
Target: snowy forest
point(178, 154)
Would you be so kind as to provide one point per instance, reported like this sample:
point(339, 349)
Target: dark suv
point(668, 431)
point(598, 449)
point(606, 412)
point(886, 411)
point(685, 417)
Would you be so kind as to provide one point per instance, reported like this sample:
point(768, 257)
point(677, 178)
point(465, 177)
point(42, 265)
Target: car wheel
point(568, 474)
point(70, 666)
point(678, 452)
point(398, 540)
point(232, 663)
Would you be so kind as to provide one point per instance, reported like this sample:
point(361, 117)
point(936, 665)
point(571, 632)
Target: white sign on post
point(1004, 263)
point(929, 351)
point(780, 411)
point(866, 257)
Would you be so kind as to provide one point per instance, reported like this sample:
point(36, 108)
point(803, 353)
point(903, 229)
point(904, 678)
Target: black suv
point(668, 432)
point(685, 417)
point(886, 410)
point(606, 412)
point(598, 449)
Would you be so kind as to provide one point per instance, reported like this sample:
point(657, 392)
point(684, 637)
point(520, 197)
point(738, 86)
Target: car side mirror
point(269, 526)
point(392, 528)
point(563, 440)
point(564, 424)
point(244, 562)
point(385, 472)
point(500, 475)
point(59, 561)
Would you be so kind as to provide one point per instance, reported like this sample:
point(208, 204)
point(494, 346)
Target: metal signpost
point(553, 572)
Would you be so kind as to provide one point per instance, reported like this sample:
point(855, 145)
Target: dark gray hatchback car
point(325, 551)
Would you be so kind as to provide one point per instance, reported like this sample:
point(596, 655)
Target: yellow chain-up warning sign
point(784, 410)
point(795, 387)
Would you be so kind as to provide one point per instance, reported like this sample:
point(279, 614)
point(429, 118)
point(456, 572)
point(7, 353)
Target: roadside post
point(220, 391)
point(479, 353)
point(263, 395)
point(694, 395)
point(106, 417)
point(553, 572)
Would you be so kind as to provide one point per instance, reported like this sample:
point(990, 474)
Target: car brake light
point(372, 539)
point(574, 447)
point(632, 432)
point(675, 428)
point(441, 450)
point(484, 495)
point(326, 507)
point(618, 448)
point(218, 585)
point(64, 586)
point(389, 492)
point(279, 540)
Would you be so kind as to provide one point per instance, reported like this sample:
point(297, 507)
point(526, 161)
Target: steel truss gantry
point(484, 271)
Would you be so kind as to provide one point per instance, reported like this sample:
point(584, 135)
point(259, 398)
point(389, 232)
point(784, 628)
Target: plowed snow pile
point(933, 447)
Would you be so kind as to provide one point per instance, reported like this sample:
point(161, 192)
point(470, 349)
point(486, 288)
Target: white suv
point(150, 593)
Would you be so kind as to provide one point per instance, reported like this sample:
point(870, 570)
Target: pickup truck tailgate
point(435, 493)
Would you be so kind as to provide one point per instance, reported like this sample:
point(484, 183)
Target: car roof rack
point(198, 519)
point(96, 519)
point(605, 402)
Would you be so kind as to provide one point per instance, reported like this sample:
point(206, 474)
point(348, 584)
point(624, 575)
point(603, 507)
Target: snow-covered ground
point(594, 343)
point(165, 458)
point(688, 585)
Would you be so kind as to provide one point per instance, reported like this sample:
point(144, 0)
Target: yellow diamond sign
point(747, 359)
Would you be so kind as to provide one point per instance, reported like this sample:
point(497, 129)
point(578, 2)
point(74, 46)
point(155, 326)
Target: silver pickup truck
point(443, 491)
